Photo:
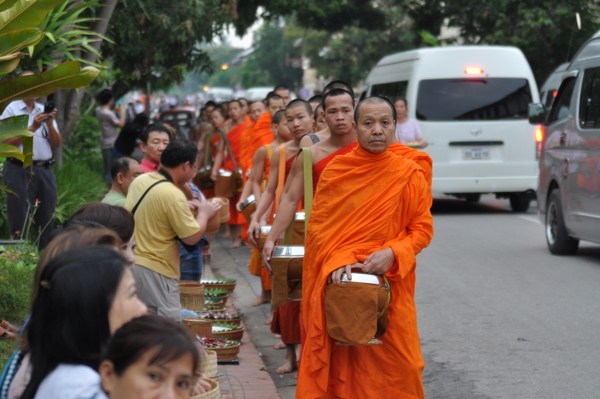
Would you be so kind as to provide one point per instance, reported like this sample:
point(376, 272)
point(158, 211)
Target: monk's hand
point(336, 275)
point(213, 174)
point(379, 262)
point(238, 206)
point(253, 232)
point(266, 254)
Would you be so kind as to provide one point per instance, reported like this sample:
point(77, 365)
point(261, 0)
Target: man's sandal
point(7, 326)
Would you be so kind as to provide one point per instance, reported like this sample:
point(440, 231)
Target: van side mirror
point(536, 113)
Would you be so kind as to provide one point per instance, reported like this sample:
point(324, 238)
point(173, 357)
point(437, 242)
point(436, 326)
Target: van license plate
point(476, 153)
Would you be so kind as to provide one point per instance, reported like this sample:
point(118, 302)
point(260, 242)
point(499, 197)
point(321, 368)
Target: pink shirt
point(148, 166)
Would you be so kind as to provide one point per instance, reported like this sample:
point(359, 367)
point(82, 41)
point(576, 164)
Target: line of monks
point(367, 209)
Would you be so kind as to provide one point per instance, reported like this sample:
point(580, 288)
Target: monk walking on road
point(368, 208)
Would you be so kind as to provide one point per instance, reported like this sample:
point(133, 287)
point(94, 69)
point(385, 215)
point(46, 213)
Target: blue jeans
point(190, 264)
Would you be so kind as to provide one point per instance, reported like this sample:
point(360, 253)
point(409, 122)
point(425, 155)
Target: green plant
point(84, 142)
point(77, 184)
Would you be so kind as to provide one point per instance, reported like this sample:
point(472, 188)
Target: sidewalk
point(255, 376)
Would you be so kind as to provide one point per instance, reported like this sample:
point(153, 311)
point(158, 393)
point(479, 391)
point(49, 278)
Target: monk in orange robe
point(230, 161)
point(260, 134)
point(369, 206)
point(261, 166)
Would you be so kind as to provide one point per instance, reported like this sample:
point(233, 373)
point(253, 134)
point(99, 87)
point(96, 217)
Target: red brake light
point(473, 70)
point(539, 133)
point(554, 93)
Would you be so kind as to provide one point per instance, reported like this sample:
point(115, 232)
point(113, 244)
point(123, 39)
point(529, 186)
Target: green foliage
point(17, 266)
point(66, 35)
point(273, 44)
point(156, 42)
point(80, 181)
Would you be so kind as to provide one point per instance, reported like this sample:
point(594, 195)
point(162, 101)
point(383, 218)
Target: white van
point(471, 105)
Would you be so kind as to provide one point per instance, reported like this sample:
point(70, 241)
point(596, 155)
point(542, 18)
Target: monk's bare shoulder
point(324, 134)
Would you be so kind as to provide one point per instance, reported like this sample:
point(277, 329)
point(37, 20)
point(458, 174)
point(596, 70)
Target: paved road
point(499, 317)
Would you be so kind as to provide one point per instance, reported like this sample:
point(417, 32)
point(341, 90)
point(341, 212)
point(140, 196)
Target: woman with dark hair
point(84, 296)
point(115, 218)
point(407, 130)
point(149, 357)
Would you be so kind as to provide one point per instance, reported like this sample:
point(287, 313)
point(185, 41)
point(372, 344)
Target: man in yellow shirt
point(162, 215)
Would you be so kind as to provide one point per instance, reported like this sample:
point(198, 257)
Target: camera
point(49, 106)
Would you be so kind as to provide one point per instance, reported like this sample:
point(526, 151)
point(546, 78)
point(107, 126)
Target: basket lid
point(300, 216)
point(364, 278)
point(250, 200)
point(265, 230)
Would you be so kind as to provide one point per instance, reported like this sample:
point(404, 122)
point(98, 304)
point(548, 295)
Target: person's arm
point(206, 210)
point(53, 136)
point(123, 114)
point(200, 144)
point(257, 172)
point(266, 199)
point(246, 192)
point(287, 207)
point(218, 159)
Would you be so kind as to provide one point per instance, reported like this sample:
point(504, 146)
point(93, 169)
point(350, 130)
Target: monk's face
point(299, 122)
point(256, 110)
point(235, 111)
point(339, 114)
point(282, 131)
point(285, 94)
point(375, 128)
point(274, 106)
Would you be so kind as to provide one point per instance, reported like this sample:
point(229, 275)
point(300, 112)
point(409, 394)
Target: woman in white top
point(407, 130)
point(84, 296)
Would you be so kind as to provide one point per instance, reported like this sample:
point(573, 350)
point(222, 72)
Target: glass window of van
point(589, 103)
point(562, 103)
point(390, 90)
point(473, 99)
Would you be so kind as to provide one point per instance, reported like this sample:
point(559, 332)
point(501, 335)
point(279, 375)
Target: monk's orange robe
point(252, 139)
point(420, 157)
point(364, 203)
point(320, 166)
point(233, 138)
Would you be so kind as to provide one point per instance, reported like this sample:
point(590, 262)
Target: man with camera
point(32, 190)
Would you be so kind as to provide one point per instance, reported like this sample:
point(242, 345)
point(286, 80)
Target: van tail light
point(473, 70)
point(539, 139)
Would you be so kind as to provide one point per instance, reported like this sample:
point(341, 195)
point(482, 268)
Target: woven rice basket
point(197, 326)
point(191, 295)
point(208, 364)
point(227, 353)
point(216, 308)
point(235, 335)
point(213, 224)
point(214, 393)
point(224, 211)
point(217, 303)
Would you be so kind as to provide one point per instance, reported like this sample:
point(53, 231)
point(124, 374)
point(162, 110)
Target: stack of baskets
point(191, 295)
point(214, 393)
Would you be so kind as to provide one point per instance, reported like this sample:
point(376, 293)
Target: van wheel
point(520, 202)
point(559, 242)
point(472, 198)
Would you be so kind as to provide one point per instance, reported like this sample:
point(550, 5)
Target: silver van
point(569, 183)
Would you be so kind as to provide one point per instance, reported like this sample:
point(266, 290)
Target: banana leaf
point(25, 14)
point(13, 41)
point(17, 126)
point(67, 75)
point(8, 63)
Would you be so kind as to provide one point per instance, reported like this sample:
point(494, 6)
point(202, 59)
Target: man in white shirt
point(33, 189)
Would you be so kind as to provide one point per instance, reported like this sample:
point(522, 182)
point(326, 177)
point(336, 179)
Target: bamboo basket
point(224, 211)
point(214, 393)
point(234, 335)
point(208, 364)
point(227, 353)
point(212, 226)
point(221, 308)
point(229, 286)
point(218, 303)
point(197, 326)
point(191, 295)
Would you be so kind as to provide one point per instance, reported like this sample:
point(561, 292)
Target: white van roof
point(451, 62)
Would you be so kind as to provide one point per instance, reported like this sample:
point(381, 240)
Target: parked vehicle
point(550, 87)
point(471, 105)
point(569, 184)
point(183, 120)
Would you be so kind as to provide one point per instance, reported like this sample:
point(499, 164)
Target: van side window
point(562, 102)
point(390, 90)
point(589, 102)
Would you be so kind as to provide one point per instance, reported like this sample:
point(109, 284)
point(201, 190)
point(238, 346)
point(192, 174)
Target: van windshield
point(473, 99)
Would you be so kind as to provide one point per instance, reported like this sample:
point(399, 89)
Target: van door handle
point(566, 169)
point(563, 138)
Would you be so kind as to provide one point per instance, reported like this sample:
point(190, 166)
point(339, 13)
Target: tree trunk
point(74, 99)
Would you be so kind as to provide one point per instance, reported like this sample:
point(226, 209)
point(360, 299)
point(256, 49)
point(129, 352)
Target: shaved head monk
point(367, 207)
point(283, 92)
